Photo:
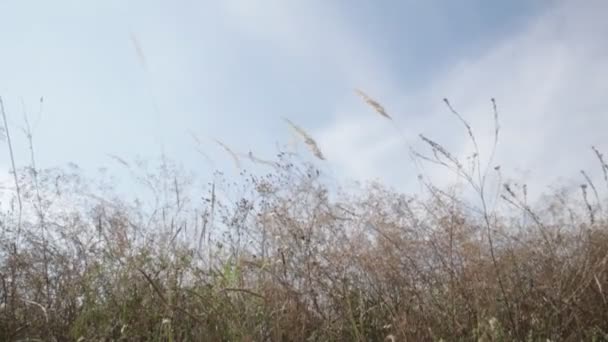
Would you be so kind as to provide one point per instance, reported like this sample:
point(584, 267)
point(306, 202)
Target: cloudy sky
point(134, 78)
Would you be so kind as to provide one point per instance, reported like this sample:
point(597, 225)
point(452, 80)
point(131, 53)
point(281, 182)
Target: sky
point(138, 78)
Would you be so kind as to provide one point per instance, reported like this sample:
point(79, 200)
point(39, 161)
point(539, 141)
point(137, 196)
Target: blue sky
point(232, 69)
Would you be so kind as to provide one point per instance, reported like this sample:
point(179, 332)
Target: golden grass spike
point(308, 140)
point(373, 103)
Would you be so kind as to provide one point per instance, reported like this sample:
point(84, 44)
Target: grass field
point(287, 257)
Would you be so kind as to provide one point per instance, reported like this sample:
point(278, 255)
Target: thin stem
point(12, 155)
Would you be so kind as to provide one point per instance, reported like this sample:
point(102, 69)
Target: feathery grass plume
point(234, 156)
point(373, 103)
point(140, 52)
point(308, 140)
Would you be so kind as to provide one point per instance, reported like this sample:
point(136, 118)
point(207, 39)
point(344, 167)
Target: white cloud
point(548, 79)
point(550, 83)
point(312, 30)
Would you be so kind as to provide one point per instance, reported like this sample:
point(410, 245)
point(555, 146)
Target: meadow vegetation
point(284, 256)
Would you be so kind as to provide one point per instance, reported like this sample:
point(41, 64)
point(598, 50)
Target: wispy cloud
point(547, 79)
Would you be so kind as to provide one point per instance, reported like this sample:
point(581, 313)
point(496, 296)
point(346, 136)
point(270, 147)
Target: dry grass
point(279, 259)
point(308, 140)
point(373, 103)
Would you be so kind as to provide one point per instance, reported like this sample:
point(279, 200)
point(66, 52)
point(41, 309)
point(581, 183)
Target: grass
point(288, 259)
